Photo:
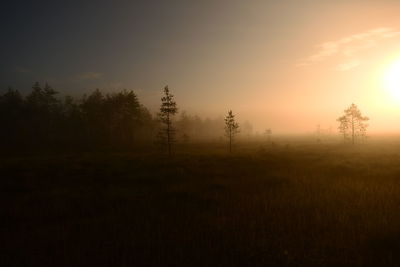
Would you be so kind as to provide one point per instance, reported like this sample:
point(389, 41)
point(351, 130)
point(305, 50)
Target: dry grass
point(284, 205)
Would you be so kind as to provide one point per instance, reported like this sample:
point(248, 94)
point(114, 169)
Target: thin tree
point(231, 128)
point(167, 110)
point(353, 123)
point(184, 126)
point(268, 133)
point(343, 127)
point(318, 132)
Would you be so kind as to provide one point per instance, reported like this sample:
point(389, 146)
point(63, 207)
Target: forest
point(43, 121)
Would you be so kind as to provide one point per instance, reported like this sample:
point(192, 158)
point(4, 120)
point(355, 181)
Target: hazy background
point(285, 65)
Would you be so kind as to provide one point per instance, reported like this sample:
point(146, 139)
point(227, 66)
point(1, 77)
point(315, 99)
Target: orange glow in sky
point(287, 65)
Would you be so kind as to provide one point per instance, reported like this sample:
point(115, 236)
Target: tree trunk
point(168, 136)
point(230, 141)
point(352, 129)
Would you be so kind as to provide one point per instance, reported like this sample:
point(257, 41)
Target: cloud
point(348, 65)
point(349, 46)
point(90, 76)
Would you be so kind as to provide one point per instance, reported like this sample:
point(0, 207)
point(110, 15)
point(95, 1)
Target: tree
point(231, 128)
point(268, 133)
point(43, 100)
point(167, 110)
point(12, 114)
point(318, 132)
point(184, 127)
point(43, 121)
point(343, 126)
point(94, 117)
point(44, 114)
point(352, 124)
point(123, 116)
point(246, 129)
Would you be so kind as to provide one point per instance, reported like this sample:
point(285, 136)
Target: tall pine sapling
point(268, 133)
point(167, 111)
point(231, 128)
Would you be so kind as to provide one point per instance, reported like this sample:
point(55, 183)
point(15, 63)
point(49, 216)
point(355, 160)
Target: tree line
point(43, 120)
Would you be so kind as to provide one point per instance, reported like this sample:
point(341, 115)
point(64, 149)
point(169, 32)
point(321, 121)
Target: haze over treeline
point(44, 120)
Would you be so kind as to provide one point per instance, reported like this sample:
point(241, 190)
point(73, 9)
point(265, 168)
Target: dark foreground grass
point(309, 206)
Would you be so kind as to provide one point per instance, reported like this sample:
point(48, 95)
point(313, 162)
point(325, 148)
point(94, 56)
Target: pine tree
point(268, 133)
point(352, 123)
point(167, 110)
point(231, 128)
point(343, 126)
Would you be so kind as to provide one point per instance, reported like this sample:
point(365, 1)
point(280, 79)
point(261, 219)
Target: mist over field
point(200, 133)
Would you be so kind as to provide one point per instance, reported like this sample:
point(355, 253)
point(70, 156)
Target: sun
point(392, 80)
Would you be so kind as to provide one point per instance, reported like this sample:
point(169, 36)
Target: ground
point(263, 205)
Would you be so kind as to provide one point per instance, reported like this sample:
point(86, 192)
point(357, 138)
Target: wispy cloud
point(349, 46)
point(348, 65)
point(90, 76)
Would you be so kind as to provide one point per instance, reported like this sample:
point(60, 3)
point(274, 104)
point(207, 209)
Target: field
point(281, 205)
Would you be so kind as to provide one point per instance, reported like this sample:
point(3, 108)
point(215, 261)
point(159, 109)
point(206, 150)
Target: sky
point(285, 65)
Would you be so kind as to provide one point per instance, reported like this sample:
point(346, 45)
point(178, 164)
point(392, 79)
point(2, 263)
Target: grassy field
point(283, 205)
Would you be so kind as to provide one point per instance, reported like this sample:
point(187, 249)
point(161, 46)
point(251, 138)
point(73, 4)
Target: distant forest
point(42, 120)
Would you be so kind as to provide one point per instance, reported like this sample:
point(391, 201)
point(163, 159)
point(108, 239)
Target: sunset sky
point(288, 65)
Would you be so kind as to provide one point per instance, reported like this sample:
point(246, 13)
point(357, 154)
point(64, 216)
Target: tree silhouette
point(352, 124)
point(41, 121)
point(167, 110)
point(246, 129)
point(93, 113)
point(12, 112)
point(343, 126)
point(184, 127)
point(268, 133)
point(318, 132)
point(123, 116)
point(231, 128)
point(43, 114)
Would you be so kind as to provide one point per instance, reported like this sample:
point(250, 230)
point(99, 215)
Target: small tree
point(268, 133)
point(352, 123)
point(184, 127)
point(343, 126)
point(167, 110)
point(231, 128)
point(318, 132)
